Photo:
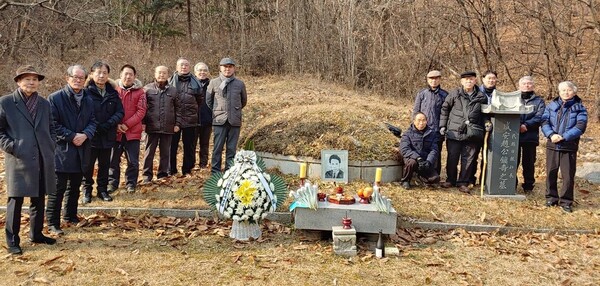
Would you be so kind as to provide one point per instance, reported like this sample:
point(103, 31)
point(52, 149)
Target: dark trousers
point(224, 135)
point(463, 152)
point(566, 162)
point(163, 141)
point(131, 148)
point(527, 156)
point(13, 219)
point(438, 162)
point(188, 138)
point(203, 140)
point(67, 187)
point(103, 157)
point(411, 166)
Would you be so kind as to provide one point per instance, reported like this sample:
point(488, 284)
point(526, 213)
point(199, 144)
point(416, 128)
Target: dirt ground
point(148, 251)
point(105, 250)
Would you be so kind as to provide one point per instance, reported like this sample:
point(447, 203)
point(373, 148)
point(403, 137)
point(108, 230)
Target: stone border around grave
point(286, 218)
point(357, 170)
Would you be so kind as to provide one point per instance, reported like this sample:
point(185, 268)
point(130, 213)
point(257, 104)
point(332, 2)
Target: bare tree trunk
point(189, 20)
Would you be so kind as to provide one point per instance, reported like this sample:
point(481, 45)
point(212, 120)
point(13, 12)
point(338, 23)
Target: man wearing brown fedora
point(27, 137)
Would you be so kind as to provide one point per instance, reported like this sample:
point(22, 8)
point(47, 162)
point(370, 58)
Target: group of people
point(454, 117)
point(52, 145)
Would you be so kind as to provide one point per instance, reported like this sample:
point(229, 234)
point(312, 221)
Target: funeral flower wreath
point(245, 192)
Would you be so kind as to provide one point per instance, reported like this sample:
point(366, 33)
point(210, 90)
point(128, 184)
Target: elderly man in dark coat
point(188, 89)
point(461, 113)
point(73, 113)
point(419, 147)
point(226, 96)
point(27, 138)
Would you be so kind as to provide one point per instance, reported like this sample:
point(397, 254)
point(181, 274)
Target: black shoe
point(15, 250)
point(131, 189)
point(44, 240)
point(464, 189)
point(567, 209)
point(111, 189)
point(551, 203)
point(73, 220)
point(446, 185)
point(55, 230)
point(86, 199)
point(406, 185)
point(105, 196)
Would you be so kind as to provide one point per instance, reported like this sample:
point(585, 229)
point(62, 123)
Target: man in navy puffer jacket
point(563, 123)
point(529, 131)
point(419, 147)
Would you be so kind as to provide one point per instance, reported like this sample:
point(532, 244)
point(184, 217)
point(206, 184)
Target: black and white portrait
point(334, 165)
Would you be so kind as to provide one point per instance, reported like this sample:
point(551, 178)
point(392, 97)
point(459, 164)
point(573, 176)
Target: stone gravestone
point(503, 144)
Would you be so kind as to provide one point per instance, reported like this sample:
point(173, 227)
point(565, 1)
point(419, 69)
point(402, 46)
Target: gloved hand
point(488, 126)
point(443, 131)
point(423, 164)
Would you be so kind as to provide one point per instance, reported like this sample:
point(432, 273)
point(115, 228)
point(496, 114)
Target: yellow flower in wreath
point(245, 193)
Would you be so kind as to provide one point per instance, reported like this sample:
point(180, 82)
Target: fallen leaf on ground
point(121, 271)
point(41, 280)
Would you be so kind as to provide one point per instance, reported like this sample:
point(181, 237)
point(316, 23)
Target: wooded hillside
point(383, 45)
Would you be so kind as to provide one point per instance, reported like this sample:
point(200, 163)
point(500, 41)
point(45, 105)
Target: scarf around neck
point(225, 81)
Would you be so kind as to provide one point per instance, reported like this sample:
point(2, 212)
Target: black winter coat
point(163, 111)
point(29, 145)
point(108, 110)
point(423, 144)
point(532, 120)
point(453, 116)
point(69, 120)
point(205, 113)
point(188, 88)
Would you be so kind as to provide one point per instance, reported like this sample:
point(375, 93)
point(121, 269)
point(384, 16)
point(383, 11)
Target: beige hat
point(434, 73)
point(27, 69)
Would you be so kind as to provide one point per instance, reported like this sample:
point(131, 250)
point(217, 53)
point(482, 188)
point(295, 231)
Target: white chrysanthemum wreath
point(245, 192)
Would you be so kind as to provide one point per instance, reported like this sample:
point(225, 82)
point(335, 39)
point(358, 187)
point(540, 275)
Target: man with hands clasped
point(563, 123)
point(419, 148)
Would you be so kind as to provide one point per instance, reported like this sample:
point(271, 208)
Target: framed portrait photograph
point(334, 165)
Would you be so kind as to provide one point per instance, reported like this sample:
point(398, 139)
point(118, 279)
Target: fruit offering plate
point(343, 200)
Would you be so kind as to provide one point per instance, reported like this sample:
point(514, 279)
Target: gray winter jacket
point(226, 104)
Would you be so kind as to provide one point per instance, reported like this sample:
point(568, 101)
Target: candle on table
point(303, 170)
point(378, 175)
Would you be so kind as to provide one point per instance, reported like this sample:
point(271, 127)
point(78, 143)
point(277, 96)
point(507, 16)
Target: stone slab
point(346, 253)
point(365, 218)
point(340, 230)
point(503, 146)
point(357, 170)
point(590, 171)
point(506, 197)
point(487, 228)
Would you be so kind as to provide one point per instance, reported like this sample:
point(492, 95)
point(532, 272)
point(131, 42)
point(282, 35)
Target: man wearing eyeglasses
point(108, 111)
point(75, 123)
point(204, 129)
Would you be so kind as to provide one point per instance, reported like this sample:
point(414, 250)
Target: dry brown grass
point(157, 251)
